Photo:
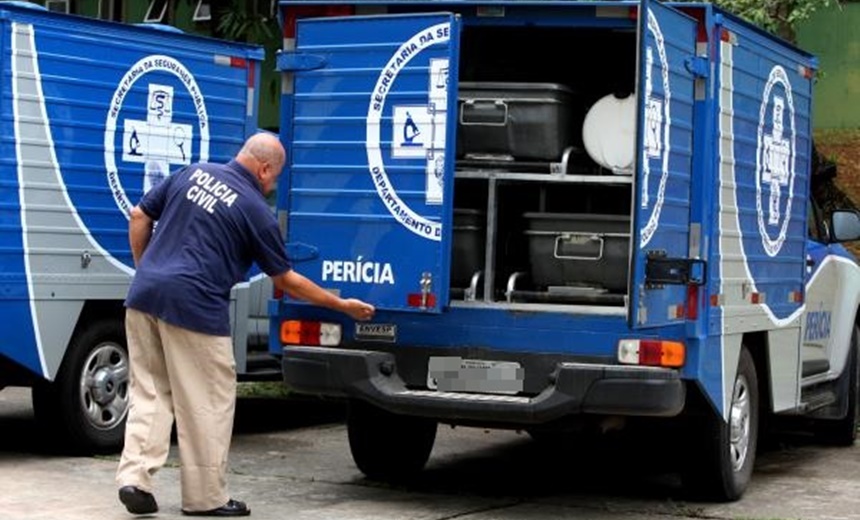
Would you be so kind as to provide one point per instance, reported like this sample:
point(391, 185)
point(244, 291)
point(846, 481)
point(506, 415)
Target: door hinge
point(299, 252)
point(288, 61)
point(698, 66)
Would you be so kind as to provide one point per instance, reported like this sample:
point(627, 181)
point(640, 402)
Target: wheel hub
point(739, 425)
point(103, 387)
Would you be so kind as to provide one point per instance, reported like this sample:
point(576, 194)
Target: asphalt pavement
point(290, 460)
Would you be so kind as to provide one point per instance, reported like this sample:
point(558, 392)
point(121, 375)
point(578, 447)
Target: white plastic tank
point(609, 133)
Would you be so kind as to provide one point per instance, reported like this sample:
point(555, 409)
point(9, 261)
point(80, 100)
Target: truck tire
point(386, 446)
point(722, 456)
point(843, 432)
point(88, 400)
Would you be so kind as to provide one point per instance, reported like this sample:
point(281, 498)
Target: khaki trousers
point(178, 373)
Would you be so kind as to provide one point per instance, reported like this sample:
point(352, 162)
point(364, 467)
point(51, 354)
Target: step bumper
point(574, 388)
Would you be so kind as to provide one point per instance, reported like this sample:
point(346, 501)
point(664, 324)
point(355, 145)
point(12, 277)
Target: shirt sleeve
point(154, 200)
point(268, 246)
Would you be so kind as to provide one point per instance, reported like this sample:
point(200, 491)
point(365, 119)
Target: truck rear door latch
point(662, 270)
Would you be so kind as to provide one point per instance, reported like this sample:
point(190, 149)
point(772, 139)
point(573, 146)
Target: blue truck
point(569, 215)
point(94, 114)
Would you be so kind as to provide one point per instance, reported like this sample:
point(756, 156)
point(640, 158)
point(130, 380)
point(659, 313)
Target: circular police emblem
point(155, 138)
point(655, 152)
point(775, 161)
point(410, 119)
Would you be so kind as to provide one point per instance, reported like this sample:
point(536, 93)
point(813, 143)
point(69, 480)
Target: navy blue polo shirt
point(212, 223)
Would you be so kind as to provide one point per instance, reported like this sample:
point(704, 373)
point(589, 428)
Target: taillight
point(692, 302)
point(312, 333)
point(649, 352)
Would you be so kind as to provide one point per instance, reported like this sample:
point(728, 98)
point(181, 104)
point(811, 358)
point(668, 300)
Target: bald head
point(263, 155)
point(263, 147)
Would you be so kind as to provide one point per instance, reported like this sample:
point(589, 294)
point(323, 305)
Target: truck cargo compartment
point(556, 228)
point(468, 247)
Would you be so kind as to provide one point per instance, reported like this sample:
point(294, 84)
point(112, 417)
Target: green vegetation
point(265, 390)
point(780, 17)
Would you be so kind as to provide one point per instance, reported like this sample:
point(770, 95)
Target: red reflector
point(756, 298)
point(239, 63)
point(715, 300)
point(726, 36)
point(416, 300)
point(692, 302)
point(339, 10)
point(290, 23)
point(310, 333)
point(650, 353)
point(633, 13)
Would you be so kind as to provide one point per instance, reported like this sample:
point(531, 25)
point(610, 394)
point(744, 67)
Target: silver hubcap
point(739, 427)
point(104, 386)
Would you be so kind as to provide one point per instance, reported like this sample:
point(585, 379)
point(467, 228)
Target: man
point(213, 222)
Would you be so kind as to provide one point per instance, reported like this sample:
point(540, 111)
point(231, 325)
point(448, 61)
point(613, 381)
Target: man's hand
point(300, 287)
point(358, 310)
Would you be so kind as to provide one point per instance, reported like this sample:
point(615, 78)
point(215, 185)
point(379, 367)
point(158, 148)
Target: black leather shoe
point(137, 501)
point(231, 508)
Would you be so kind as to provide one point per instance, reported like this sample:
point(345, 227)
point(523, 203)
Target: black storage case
point(584, 250)
point(526, 121)
point(469, 245)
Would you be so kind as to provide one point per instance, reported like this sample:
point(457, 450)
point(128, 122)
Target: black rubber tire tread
point(386, 446)
point(57, 405)
point(707, 471)
point(843, 432)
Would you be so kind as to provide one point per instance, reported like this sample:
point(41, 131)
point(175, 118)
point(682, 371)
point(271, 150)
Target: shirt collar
point(244, 172)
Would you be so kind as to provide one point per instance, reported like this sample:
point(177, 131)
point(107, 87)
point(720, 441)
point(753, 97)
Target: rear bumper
point(574, 388)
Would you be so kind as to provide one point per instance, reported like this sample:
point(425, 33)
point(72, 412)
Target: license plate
point(376, 332)
point(455, 374)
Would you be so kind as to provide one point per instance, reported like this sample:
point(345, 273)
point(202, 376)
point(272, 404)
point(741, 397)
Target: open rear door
point(662, 235)
point(371, 156)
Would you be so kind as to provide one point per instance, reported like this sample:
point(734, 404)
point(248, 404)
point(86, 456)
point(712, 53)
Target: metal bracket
point(288, 61)
point(698, 66)
point(661, 270)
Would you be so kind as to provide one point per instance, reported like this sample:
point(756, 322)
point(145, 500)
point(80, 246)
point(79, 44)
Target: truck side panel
point(763, 163)
point(91, 135)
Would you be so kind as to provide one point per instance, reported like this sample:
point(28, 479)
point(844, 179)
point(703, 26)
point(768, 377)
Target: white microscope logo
point(777, 152)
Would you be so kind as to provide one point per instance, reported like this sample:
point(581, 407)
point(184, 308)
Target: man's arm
point(301, 288)
point(139, 232)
